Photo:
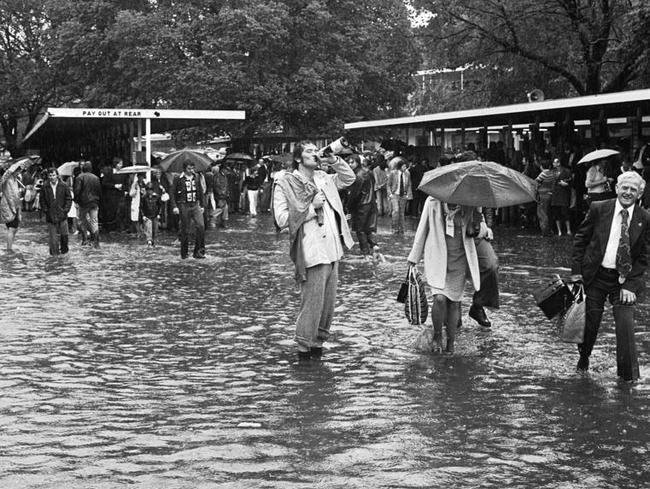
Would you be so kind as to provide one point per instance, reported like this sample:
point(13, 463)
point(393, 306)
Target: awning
point(620, 104)
point(75, 122)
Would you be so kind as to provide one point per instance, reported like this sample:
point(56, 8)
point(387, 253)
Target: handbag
point(416, 307)
point(571, 324)
point(404, 289)
point(554, 298)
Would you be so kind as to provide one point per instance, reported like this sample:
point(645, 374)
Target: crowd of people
point(323, 198)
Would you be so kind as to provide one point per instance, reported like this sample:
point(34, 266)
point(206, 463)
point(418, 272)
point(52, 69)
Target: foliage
point(564, 47)
point(303, 66)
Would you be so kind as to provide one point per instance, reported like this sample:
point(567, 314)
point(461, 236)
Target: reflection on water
point(126, 365)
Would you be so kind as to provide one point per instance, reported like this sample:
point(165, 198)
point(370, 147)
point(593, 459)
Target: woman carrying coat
point(445, 239)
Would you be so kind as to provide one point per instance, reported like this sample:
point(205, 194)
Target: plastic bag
point(571, 324)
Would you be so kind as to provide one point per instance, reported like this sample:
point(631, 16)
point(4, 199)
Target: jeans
point(191, 213)
point(317, 300)
point(88, 217)
point(398, 208)
point(543, 212)
point(150, 228)
point(54, 230)
point(364, 220)
point(221, 211)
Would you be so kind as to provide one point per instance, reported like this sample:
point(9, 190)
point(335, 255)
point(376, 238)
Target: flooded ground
point(126, 366)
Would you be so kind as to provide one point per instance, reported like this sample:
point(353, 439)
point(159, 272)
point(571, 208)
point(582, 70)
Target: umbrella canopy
point(597, 155)
point(133, 169)
point(67, 168)
point(479, 184)
point(25, 161)
point(240, 157)
point(173, 162)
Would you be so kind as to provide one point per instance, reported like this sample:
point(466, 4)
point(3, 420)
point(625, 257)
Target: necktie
point(401, 184)
point(623, 258)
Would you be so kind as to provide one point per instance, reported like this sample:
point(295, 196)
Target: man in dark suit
point(55, 202)
point(610, 257)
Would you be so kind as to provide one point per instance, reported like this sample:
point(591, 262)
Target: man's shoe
point(583, 364)
point(199, 256)
point(316, 351)
point(477, 313)
point(304, 355)
point(183, 256)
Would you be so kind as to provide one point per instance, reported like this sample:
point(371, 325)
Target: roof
point(72, 122)
point(619, 104)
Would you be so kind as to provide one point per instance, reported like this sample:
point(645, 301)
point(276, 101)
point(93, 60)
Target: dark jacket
point(220, 185)
point(362, 191)
point(87, 190)
point(180, 191)
point(55, 207)
point(591, 239)
point(150, 205)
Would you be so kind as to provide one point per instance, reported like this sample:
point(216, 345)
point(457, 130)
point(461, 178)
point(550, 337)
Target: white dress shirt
point(609, 260)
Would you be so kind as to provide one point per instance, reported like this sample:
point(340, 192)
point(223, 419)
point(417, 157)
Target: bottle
point(335, 147)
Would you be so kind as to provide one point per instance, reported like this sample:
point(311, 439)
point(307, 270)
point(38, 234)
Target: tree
point(578, 47)
point(27, 82)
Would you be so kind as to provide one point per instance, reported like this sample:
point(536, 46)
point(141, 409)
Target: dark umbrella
point(173, 162)
point(240, 157)
point(479, 184)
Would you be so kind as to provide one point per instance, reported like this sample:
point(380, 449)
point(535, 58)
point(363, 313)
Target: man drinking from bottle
point(307, 202)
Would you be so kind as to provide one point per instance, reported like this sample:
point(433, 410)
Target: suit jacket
point(591, 239)
point(393, 184)
point(55, 207)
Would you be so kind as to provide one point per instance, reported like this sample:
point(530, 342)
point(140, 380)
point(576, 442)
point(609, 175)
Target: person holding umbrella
point(187, 199)
point(451, 230)
point(11, 201)
point(443, 239)
point(56, 200)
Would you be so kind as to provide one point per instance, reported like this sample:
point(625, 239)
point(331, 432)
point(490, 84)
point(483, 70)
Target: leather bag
point(553, 298)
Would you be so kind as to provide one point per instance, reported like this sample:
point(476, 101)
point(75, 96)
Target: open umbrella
point(597, 155)
point(67, 168)
point(133, 169)
point(25, 161)
point(173, 162)
point(479, 184)
point(240, 157)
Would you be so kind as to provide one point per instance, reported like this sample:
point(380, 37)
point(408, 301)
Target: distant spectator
point(10, 202)
point(545, 183)
point(87, 193)
point(561, 198)
point(56, 200)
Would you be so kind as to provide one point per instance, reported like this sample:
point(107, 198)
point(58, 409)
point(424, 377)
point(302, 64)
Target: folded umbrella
point(133, 169)
point(478, 184)
point(597, 155)
point(173, 162)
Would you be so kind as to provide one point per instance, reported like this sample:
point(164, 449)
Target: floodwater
point(126, 366)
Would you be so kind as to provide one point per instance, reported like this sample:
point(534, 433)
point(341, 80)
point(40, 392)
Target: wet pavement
point(126, 366)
